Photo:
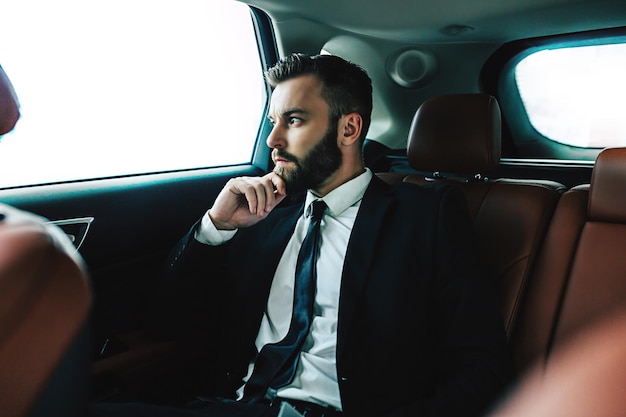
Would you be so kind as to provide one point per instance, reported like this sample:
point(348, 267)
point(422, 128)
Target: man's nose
point(276, 138)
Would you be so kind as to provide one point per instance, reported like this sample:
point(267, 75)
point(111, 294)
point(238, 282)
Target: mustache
point(280, 153)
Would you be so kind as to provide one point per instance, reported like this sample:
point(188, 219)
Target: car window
point(574, 95)
point(119, 87)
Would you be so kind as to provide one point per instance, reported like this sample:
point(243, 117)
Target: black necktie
point(275, 365)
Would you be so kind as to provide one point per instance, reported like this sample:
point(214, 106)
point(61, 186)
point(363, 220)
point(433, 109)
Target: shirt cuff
point(208, 234)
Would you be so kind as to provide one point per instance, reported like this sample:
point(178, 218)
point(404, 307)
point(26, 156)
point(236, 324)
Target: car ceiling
point(377, 34)
point(435, 21)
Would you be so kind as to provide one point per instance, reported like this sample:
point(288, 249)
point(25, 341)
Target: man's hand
point(245, 201)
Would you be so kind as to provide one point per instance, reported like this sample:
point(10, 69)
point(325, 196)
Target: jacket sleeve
point(470, 352)
point(185, 297)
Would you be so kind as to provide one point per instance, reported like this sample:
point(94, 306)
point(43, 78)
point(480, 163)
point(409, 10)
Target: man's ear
point(350, 128)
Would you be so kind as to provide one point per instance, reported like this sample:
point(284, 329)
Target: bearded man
point(402, 320)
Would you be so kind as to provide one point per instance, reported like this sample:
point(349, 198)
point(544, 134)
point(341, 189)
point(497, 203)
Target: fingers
point(245, 201)
point(280, 188)
point(258, 194)
point(262, 194)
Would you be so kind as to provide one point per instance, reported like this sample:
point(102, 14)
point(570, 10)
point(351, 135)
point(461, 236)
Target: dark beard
point(314, 169)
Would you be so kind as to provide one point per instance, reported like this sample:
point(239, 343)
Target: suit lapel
point(272, 246)
point(360, 253)
point(283, 228)
point(255, 274)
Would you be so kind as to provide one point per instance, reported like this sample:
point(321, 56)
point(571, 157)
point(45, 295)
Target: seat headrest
point(9, 105)
point(456, 133)
point(607, 196)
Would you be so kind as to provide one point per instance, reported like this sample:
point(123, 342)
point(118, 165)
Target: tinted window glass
point(575, 95)
point(120, 87)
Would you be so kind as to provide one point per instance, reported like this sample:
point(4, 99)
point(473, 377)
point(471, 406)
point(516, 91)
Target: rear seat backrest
point(9, 104)
point(44, 306)
point(456, 133)
point(586, 377)
point(45, 302)
point(457, 138)
point(581, 273)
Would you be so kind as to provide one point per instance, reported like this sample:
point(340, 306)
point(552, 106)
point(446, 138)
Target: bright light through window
point(120, 87)
point(576, 95)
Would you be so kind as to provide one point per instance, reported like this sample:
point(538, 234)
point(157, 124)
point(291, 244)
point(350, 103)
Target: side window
point(574, 95)
point(128, 87)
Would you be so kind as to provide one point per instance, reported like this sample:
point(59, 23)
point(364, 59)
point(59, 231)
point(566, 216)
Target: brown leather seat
point(9, 104)
point(585, 377)
point(457, 138)
point(44, 305)
point(44, 302)
point(580, 275)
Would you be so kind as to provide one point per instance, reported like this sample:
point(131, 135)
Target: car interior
point(44, 332)
point(540, 157)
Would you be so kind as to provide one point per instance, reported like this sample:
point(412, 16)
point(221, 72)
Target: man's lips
point(282, 159)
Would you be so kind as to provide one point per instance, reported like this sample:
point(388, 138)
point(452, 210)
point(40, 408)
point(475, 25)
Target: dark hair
point(346, 87)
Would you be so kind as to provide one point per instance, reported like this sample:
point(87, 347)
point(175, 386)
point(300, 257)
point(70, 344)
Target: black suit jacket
point(419, 332)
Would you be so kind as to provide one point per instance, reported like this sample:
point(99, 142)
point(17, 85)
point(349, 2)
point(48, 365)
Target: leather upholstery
point(44, 307)
point(579, 277)
point(459, 134)
point(585, 377)
point(9, 104)
point(44, 304)
point(532, 337)
point(596, 284)
point(607, 200)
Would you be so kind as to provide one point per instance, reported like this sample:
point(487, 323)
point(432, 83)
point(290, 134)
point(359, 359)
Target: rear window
point(118, 87)
point(575, 95)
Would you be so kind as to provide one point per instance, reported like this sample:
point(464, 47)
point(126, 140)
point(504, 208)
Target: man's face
point(305, 150)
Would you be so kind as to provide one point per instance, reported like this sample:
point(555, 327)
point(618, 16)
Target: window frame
point(260, 154)
point(520, 139)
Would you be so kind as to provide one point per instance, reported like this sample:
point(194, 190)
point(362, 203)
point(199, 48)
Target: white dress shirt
point(316, 374)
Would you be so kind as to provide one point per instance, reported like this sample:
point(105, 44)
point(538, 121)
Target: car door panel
point(132, 224)
point(76, 229)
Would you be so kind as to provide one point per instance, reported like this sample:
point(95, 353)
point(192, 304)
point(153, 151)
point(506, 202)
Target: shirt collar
point(342, 197)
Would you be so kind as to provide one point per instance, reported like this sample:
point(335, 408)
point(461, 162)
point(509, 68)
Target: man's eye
point(294, 120)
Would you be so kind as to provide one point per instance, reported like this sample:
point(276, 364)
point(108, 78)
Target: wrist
point(220, 225)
